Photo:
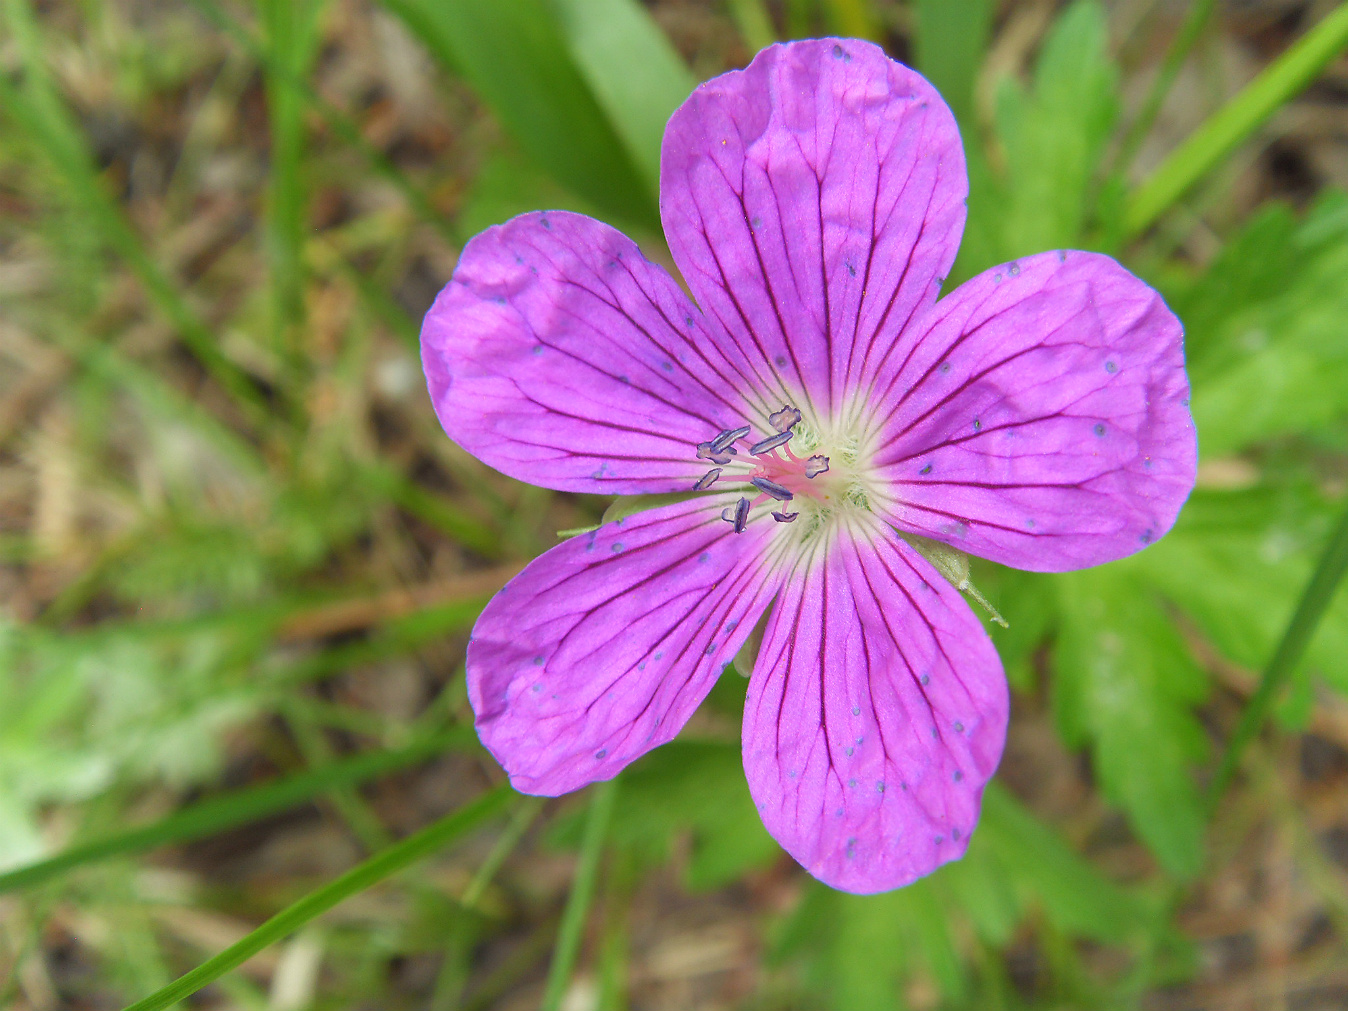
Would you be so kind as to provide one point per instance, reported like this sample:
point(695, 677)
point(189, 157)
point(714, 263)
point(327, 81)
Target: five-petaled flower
point(829, 414)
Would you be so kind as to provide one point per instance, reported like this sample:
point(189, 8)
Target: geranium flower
point(827, 414)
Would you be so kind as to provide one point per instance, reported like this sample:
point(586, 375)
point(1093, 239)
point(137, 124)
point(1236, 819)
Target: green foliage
point(517, 59)
point(1125, 684)
point(1038, 191)
point(1265, 330)
point(229, 421)
point(864, 951)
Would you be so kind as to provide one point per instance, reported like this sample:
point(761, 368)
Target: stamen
point(738, 514)
point(785, 517)
point(785, 419)
point(770, 443)
point(708, 451)
point(707, 480)
point(815, 466)
point(723, 440)
point(777, 491)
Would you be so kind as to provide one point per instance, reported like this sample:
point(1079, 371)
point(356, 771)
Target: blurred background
point(239, 559)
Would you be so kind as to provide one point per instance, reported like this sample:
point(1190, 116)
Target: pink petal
point(876, 713)
point(1041, 419)
point(560, 356)
point(814, 202)
point(602, 648)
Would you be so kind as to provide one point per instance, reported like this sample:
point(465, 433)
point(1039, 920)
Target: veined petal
point(602, 648)
point(876, 712)
point(1041, 419)
point(814, 203)
point(560, 356)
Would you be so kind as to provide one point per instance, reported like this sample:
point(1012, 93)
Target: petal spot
point(1014, 270)
point(1100, 429)
point(978, 425)
point(617, 547)
point(958, 775)
point(879, 786)
point(1111, 367)
point(925, 470)
point(959, 727)
point(601, 753)
point(839, 53)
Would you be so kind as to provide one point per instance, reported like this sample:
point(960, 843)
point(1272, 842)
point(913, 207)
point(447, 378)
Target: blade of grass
point(232, 809)
point(1315, 600)
point(317, 752)
point(1200, 13)
point(751, 18)
point(361, 877)
point(582, 893)
point(853, 18)
point(38, 110)
point(1236, 121)
point(515, 57)
point(462, 527)
point(636, 75)
point(337, 121)
point(951, 38)
point(292, 36)
point(520, 821)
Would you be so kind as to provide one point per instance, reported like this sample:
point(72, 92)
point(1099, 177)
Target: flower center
point(782, 470)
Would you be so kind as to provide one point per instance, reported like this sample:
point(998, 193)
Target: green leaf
point(1126, 686)
point(951, 38)
point(516, 57)
point(1051, 140)
point(632, 70)
point(1044, 871)
point(1265, 330)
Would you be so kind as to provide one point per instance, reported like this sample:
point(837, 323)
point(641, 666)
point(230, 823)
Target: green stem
point(1200, 13)
point(1237, 120)
point(359, 878)
point(520, 821)
point(582, 892)
point(230, 809)
point(755, 25)
point(1315, 600)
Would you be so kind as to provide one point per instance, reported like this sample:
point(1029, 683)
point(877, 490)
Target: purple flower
point(831, 414)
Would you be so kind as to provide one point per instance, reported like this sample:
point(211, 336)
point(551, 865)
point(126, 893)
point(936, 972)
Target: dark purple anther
point(738, 514)
point(785, 419)
point(770, 443)
point(785, 517)
point(708, 451)
point(722, 441)
point(777, 491)
point(707, 480)
point(815, 466)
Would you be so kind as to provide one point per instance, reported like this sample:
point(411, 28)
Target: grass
point(239, 559)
